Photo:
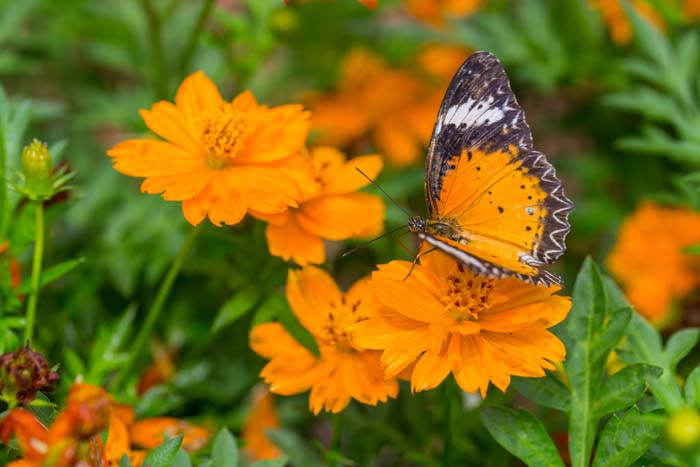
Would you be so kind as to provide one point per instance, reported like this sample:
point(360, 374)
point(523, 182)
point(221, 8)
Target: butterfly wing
point(483, 178)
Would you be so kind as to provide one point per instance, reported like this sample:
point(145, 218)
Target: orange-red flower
point(435, 12)
point(443, 318)
point(343, 371)
point(615, 17)
point(262, 417)
point(220, 158)
point(331, 209)
point(394, 107)
point(649, 259)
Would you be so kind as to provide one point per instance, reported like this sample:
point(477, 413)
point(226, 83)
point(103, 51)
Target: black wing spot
point(528, 228)
point(522, 187)
point(500, 209)
point(469, 156)
point(478, 169)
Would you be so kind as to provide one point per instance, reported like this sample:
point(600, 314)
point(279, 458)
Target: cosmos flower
point(262, 417)
point(436, 12)
point(393, 107)
point(220, 158)
point(343, 371)
point(332, 210)
point(444, 319)
point(654, 281)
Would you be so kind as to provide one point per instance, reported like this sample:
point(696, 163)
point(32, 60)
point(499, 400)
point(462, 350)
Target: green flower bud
point(683, 428)
point(36, 167)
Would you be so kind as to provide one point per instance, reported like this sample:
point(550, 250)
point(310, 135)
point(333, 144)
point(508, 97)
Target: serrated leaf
point(281, 462)
point(299, 451)
point(679, 345)
point(547, 391)
point(692, 388)
point(522, 435)
point(51, 274)
point(225, 451)
point(236, 307)
point(624, 439)
point(164, 454)
point(625, 388)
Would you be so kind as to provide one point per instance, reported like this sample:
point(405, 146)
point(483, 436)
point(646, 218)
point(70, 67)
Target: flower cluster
point(655, 282)
point(75, 435)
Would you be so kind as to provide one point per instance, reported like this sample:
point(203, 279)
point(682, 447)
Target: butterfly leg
point(416, 259)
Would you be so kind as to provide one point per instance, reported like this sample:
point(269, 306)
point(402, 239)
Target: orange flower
point(435, 12)
point(31, 435)
point(616, 19)
point(332, 211)
point(443, 318)
point(649, 261)
point(161, 370)
point(262, 417)
point(394, 107)
point(220, 159)
point(343, 371)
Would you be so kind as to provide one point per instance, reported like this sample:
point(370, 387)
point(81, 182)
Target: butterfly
point(494, 203)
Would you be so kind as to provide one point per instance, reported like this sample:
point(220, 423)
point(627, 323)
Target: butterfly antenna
point(408, 214)
point(362, 245)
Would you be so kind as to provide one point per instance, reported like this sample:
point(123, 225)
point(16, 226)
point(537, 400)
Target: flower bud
point(23, 373)
point(683, 428)
point(36, 167)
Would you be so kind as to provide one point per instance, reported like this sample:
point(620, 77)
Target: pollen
point(224, 135)
point(340, 316)
point(466, 296)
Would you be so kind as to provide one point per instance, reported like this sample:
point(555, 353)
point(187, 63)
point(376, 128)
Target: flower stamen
point(466, 296)
point(224, 135)
point(335, 328)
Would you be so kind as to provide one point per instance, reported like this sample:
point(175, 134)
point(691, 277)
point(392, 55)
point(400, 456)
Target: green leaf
point(236, 307)
point(651, 40)
point(624, 439)
point(547, 391)
point(300, 452)
point(522, 435)
point(124, 461)
point(679, 345)
point(281, 462)
point(182, 459)
point(692, 388)
point(164, 454)
point(624, 388)
point(225, 452)
point(612, 333)
point(51, 274)
point(293, 326)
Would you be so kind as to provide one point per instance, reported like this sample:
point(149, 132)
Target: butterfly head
point(416, 224)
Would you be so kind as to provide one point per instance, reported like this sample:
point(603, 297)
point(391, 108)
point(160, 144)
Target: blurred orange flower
point(261, 417)
point(330, 210)
point(343, 371)
point(392, 106)
point(435, 12)
point(653, 280)
point(443, 318)
point(219, 158)
point(691, 8)
point(615, 17)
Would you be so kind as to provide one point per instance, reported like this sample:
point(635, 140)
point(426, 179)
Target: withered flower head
point(23, 373)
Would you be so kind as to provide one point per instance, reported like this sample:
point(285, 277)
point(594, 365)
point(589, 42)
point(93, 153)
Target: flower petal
point(280, 133)
point(220, 200)
point(170, 123)
point(429, 372)
point(291, 242)
point(343, 216)
point(311, 293)
point(197, 95)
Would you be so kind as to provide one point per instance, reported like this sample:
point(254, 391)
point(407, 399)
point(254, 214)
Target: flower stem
point(36, 270)
point(451, 404)
point(158, 66)
point(188, 52)
point(156, 307)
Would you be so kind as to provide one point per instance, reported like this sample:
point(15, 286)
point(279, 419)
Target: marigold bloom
point(394, 107)
point(219, 158)
point(435, 12)
point(343, 371)
point(443, 318)
point(331, 211)
point(262, 417)
point(615, 17)
point(653, 281)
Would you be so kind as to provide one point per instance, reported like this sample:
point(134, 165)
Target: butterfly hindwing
point(501, 199)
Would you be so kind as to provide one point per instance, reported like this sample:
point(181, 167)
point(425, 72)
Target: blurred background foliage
point(611, 91)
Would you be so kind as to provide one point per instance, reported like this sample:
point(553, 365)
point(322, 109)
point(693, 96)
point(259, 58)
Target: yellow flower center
point(466, 295)
point(340, 316)
point(224, 135)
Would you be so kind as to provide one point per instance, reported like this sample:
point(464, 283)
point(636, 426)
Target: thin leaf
point(624, 439)
point(164, 454)
point(236, 307)
point(51, 274)
point(624, 388)
point(225, 452)
point(522, 435)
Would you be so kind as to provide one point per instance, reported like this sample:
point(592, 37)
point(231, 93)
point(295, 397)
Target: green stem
point(451, 408)
point(156, 307)
point(36, 270)
point(188, 51)
point(158, 66)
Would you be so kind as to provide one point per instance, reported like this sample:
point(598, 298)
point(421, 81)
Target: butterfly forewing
point(504, 205)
